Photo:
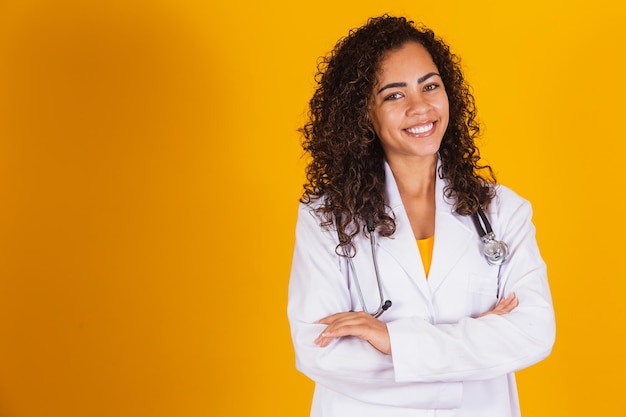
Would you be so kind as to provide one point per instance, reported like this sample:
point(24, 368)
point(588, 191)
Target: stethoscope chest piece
point(495, 251)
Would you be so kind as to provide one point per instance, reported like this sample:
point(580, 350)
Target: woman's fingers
point(504, 306)
point(357, 324)
point(344, 324)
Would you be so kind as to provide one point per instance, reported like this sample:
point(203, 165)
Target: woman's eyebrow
point(391, 85)
point(427, 76)
point(419, 81)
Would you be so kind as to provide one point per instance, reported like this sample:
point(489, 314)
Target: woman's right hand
point(505, 305)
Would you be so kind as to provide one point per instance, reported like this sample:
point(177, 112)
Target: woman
point(394, 188)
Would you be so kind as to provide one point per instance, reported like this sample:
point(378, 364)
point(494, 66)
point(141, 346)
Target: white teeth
point(420, 129)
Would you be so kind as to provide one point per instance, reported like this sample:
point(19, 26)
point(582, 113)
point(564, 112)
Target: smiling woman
point(394, 168)
point(409, 115)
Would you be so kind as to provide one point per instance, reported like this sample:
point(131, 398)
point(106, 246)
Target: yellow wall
point(150, 171)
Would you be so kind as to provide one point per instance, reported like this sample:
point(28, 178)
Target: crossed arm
point(374, 331)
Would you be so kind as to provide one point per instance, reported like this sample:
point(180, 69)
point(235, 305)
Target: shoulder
point(509, 207)
point(310, 216)
point(311, 209)
point(505, 197)
point(312, 232)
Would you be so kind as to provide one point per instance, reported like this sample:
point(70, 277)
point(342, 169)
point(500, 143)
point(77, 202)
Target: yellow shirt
point(425, 247)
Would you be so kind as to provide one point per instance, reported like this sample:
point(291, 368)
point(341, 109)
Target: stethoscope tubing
point(384, 305)
point(495, 253)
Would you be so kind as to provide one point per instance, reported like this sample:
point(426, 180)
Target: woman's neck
point(416, 179)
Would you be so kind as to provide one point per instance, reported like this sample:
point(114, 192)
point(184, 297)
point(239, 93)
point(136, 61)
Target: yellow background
point(149, 176)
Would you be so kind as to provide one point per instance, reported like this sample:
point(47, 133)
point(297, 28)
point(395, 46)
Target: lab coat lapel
point(402, 246)
point(452, 236)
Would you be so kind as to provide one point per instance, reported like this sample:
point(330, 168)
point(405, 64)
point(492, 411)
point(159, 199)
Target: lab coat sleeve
point(349, 365)
point(486, 347)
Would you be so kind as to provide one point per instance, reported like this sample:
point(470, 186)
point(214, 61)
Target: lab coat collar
point(452, 236)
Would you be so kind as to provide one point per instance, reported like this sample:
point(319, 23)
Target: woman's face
point(409, 106)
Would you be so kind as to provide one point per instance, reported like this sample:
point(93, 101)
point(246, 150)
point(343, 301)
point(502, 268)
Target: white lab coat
point(445, 362)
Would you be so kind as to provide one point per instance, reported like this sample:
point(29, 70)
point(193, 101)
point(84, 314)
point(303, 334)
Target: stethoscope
point(384, 304)
point(495, 252)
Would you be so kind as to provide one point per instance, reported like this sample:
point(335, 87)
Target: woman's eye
point(393, 96)
point(430, 87)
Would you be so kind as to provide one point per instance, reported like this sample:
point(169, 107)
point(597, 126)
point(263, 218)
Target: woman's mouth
point(421, 130)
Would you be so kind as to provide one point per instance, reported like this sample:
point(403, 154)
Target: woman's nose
point(417, 104)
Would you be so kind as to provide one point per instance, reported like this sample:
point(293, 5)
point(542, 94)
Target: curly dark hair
point(347, 160)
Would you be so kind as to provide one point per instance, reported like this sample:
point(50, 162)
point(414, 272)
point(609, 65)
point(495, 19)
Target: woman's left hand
point(504, 306)
point(357, 324)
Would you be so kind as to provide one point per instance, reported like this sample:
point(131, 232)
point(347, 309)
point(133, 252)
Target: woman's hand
point(358, 324)
point(505, 305)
